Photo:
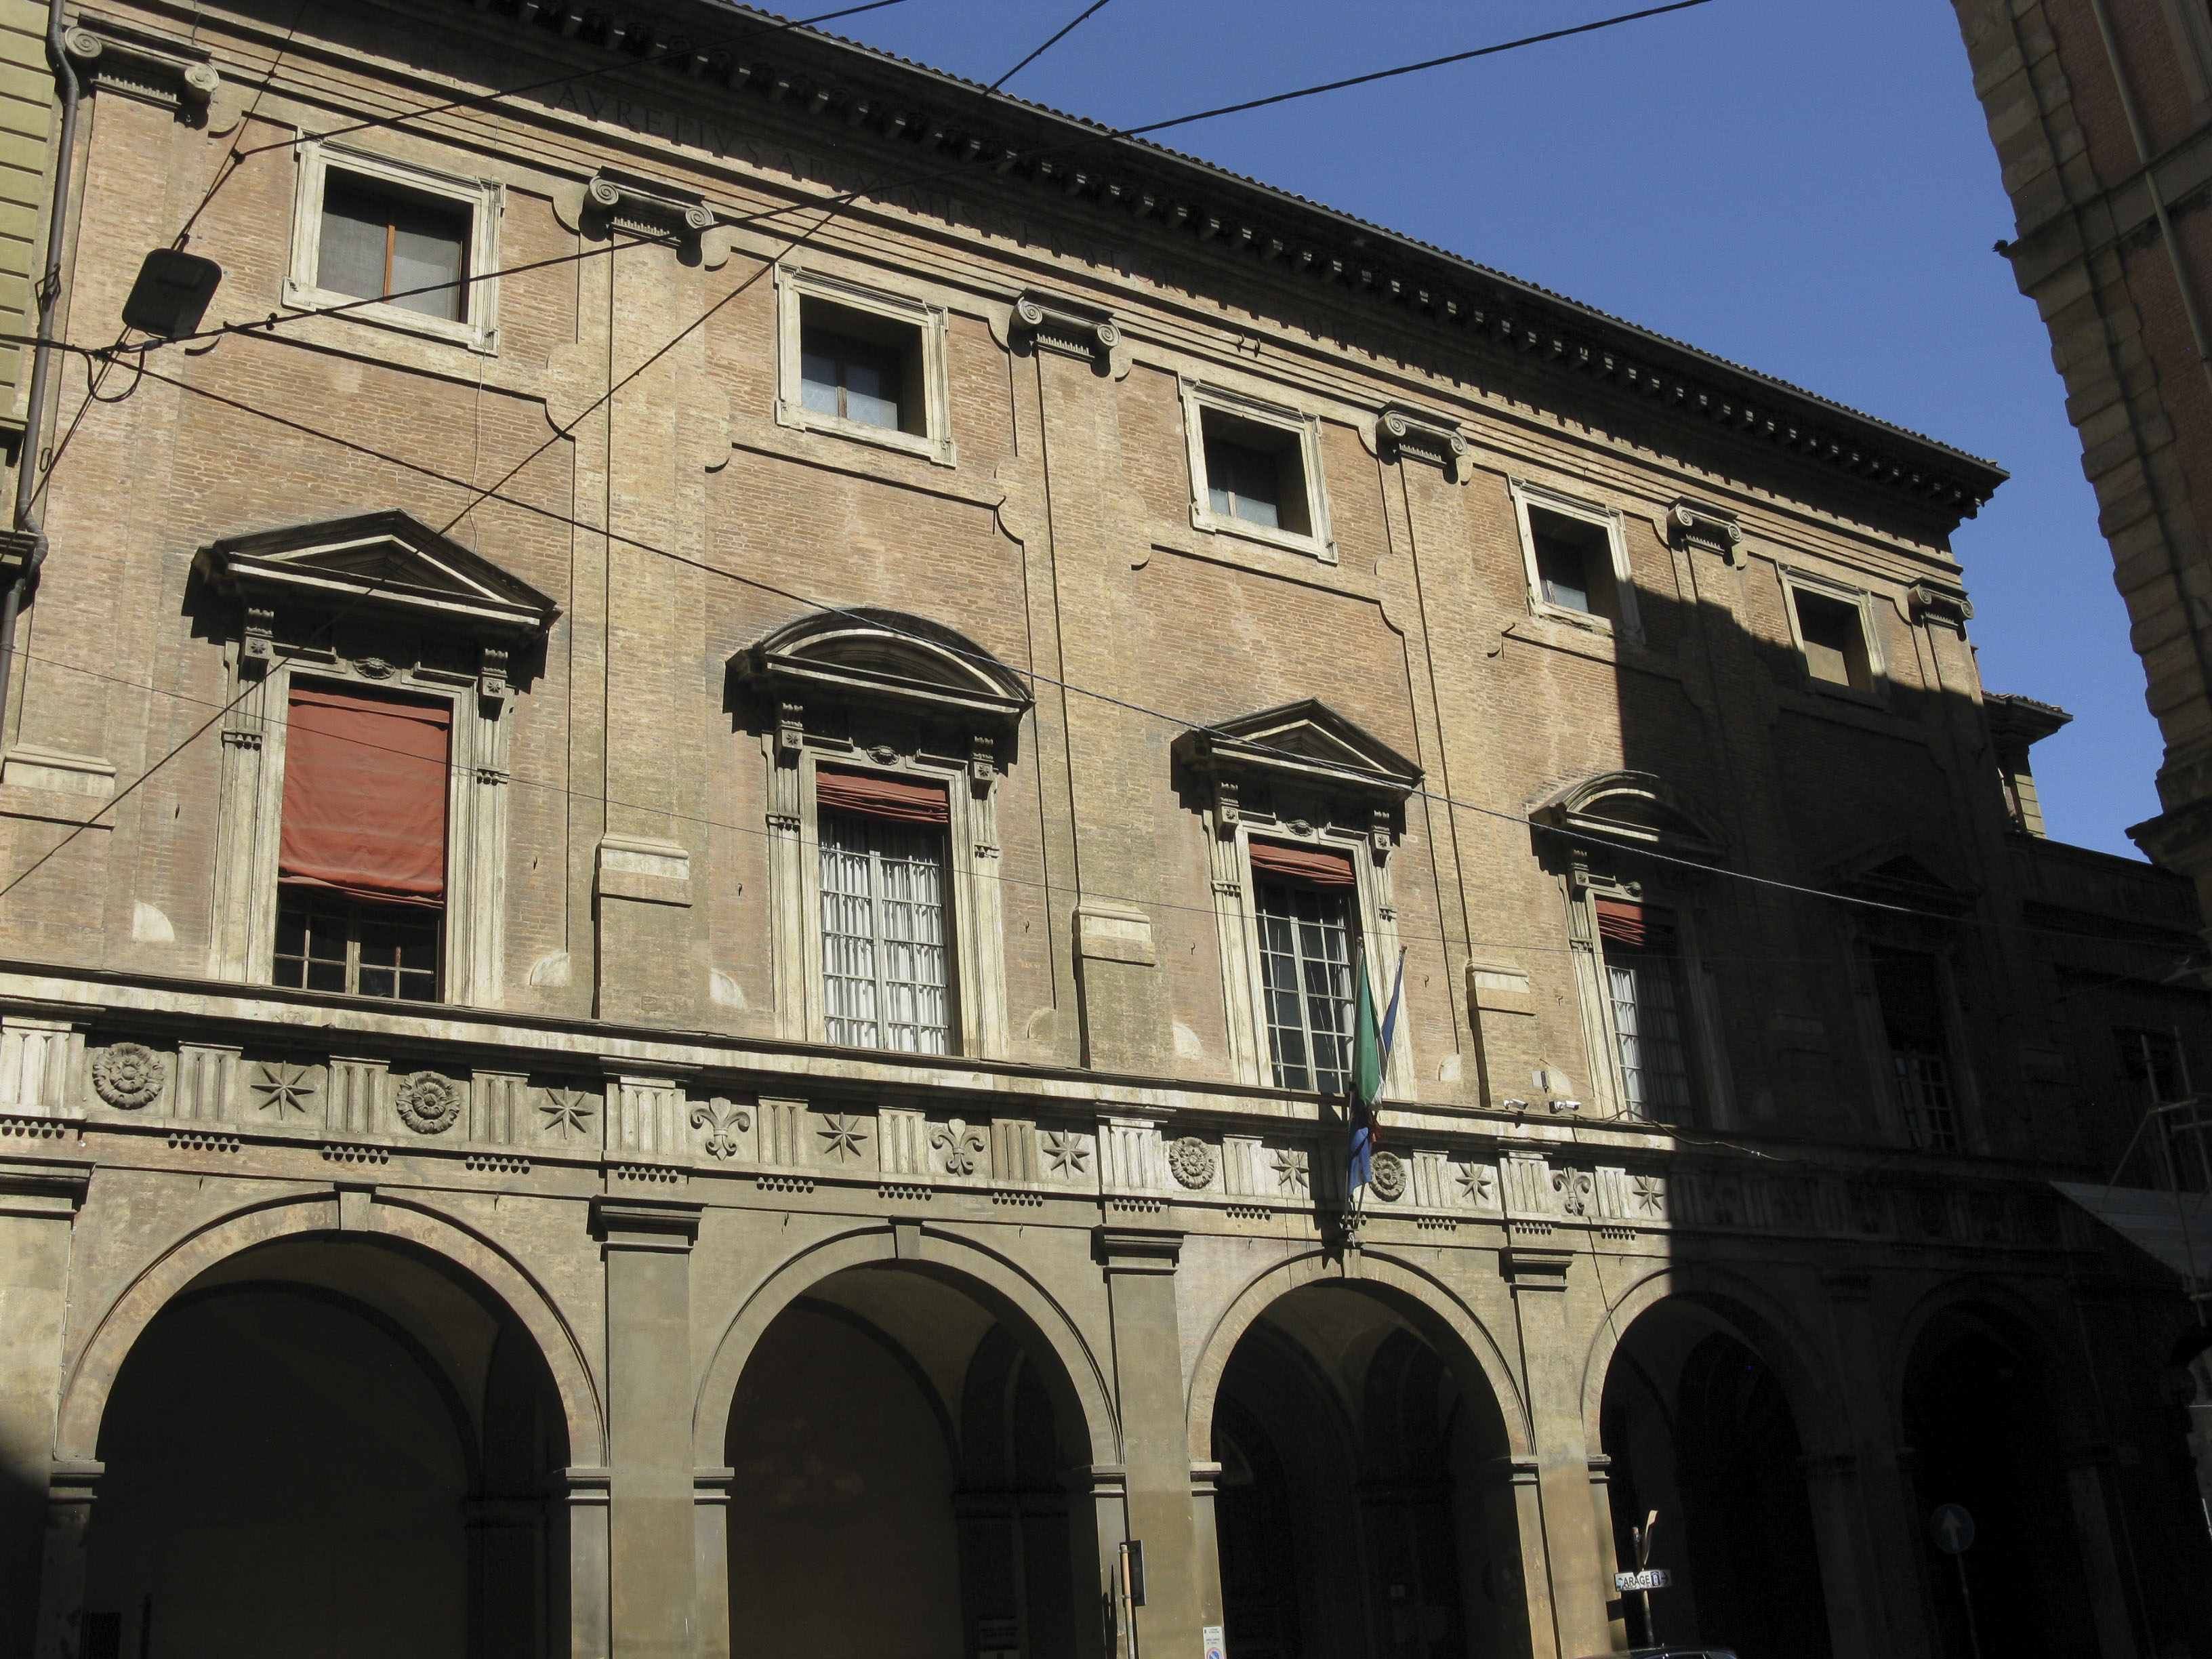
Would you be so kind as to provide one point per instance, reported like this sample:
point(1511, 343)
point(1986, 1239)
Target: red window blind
point(1636, 927)
point(881, 797)
point(365, 796)
point(1312, 865)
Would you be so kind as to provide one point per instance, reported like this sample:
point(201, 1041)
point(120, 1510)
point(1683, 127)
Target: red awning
point(1635, 927)
point(365, 796)
point(1313, 866)
point(881, 797)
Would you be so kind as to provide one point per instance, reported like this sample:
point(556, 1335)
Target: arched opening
point(898, 1447)
point(1978, 1415)
point(1699, 1429)
point(330, 1446)
point(1362, 1505)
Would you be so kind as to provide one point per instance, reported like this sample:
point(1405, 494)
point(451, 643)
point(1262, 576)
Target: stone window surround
point(1793, 578)
point(251, 809)
point(1859, 942)
point(485, 199)
point(1709, 1074)
point(1630, 625)
point(795, 283)
point(1237, 925)
point(974, 907)
point(2191, 24)
point(1198, 396)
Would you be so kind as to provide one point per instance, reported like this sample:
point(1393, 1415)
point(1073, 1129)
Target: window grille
point(1924, 1089)
point(1648, 1021)
point(1305, 969)
point(883, 955)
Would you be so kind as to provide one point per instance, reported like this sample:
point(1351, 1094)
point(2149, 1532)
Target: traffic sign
point(1210, 1639)
point(1650, 1579)
point(1953, 1528)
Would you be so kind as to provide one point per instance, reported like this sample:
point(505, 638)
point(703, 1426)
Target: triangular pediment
point(870, 654)
point(1897, 873)
point(1630, 808)
point(1307, 738)
point(387, 562)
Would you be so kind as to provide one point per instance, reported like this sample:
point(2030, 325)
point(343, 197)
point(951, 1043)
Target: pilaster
point(1550, 1368)
point(39, 1203)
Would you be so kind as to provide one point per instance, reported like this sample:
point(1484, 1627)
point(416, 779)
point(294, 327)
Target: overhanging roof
point(853, 95)
point(2175, 1227)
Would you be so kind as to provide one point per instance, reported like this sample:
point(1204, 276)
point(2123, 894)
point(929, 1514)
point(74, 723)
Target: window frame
point(1710, 1091)
point(795, 285)
point(355, 912)
point(1964, 1085)
point(1527, 497)
point(1794, 581)
point(250, 816)
point(485, 199)
point(1201, 397)
point(949, 944)
point(1351, 959)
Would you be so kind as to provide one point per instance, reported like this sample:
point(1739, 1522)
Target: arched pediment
point(1307, 740)
point(887, 656)
point(389, 562)
point(1628, 808)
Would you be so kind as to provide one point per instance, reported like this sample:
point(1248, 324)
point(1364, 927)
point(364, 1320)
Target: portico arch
point(90, 1374)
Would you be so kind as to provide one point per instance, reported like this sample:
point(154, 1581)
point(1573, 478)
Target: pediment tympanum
point(385, 562)
point(1899, 873)
point(886, 656)
point(1308, 741)
point(1629, 809)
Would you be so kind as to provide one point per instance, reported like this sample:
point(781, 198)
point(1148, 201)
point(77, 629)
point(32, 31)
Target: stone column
point(1850, 1579)
point(1205, 1488)
point(587, 1494)
point(38, 1202)
point(710, 1528)
point(2086, 1479)
point(652, 1593)
point(1097, 1520)
point(1140, 1265)
point(1551, 1370)
point(60, 1595)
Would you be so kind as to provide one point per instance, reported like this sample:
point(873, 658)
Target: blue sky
point(1805, 186)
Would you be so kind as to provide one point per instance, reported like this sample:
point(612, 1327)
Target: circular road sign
point(1953, 1528)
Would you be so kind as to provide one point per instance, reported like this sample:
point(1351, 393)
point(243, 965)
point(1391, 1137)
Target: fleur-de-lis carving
point(963, 1147)
point(1573, 1187)
point(718, 1118)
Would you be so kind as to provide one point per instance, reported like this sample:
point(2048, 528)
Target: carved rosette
point(1387, 1175)
point(428, 1103)
point(127, 1076)
point(1190, 1160)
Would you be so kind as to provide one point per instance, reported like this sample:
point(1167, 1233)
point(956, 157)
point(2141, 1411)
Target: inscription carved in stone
point(1387, 1175)
point(428, 1103)
point(127, 1076)
point(1191, 1161)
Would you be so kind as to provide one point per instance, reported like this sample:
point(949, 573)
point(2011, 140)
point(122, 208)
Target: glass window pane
point(818, 379)
point(1306, 985)
point(885, 964)
point(872, 391)
point(350, 259)
point(430, 246)
point(1566, 577)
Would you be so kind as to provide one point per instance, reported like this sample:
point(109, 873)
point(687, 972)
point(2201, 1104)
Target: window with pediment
point(1305, 810)
point(362, 820)
point(886, 738)
point(1649, 1010)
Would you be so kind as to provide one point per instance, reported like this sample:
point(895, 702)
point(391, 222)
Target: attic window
point(1255, 473)
point(857, 368)
point(1574, 562)
point(381, 241)
point(1833, 634)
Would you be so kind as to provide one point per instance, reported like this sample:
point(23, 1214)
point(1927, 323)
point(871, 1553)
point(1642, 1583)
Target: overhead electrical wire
point(277, 319)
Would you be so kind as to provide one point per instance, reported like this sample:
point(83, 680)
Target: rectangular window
point(858, 367)
point(361, 862)
point(1834, 637)
point(885, 955)
point(1910, 990)
point(1574, 562)
point(1647, 986)
point(1255, 472)
point(381, 240)
point(1302, 901)
point(2151, 1062)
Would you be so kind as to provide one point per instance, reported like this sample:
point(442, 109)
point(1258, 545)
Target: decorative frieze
point(501, 1114)
point(356, 1092)
point(1131, 1158)
point(780, 1126)
point(903, 1141)
point(128, 1076)
point(39, 1059)
point(644, 1120)
point(1013, 1150)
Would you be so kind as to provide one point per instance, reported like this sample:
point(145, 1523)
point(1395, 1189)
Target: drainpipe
point(28, 537)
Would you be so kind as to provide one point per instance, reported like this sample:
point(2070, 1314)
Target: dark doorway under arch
point(331, 1448)
point(1359, 1509)
point(1697, 1429)
point(1978, 1420)
point(898, 1449)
